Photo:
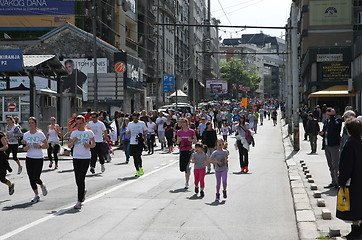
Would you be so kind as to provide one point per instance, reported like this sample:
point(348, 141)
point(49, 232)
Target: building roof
point(30, 61)
point(81, 32)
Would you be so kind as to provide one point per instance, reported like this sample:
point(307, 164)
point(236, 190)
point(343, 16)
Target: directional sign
point(11, 60)
point(168, 83)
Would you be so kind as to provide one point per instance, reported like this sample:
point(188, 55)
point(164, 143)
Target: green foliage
point(236, 73)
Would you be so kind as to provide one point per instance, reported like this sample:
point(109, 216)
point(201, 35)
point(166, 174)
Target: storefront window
point(25, 112)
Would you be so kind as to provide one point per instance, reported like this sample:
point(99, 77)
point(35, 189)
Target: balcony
point(131, 44)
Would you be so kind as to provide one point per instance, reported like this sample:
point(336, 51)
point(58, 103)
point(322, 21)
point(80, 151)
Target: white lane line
point(68, 208)
point(163, 164)
point(156, 167)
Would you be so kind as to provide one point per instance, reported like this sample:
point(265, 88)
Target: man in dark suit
point(331, 140)
point(312, 131)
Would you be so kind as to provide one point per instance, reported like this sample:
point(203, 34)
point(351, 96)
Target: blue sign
point(11, 60)
point(168, 83)
point(36, 7)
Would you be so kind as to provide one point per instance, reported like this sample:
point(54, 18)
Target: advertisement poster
point(35, 14)
point(216, 88)
point(77, 73)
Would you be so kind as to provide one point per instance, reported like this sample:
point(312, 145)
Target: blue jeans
point(126, 147)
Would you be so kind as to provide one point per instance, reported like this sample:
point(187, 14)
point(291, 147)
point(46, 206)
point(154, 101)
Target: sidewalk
point(311, 224)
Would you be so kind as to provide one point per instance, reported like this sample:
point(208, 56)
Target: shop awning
point(334, 91)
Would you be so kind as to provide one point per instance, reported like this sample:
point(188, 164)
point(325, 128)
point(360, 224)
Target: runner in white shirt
point(138, 131)
point(151, 127)
point(81, 140)
point(99, 130)
point(35, 141)
point(160, 130)
point(53, 142)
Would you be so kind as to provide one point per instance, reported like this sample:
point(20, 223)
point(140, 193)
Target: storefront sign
point(329, 57)
point(11, 60)
point(335, 71)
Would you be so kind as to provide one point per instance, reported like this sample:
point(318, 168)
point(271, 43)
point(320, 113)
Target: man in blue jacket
point(331, 134)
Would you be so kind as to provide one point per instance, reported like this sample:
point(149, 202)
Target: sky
point(251, 13)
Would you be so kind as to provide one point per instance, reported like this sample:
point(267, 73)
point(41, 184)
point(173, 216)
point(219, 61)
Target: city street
point(156, 206)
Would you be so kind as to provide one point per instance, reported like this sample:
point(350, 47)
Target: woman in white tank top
point(53, 140)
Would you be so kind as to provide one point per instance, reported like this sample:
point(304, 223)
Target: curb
point(306, 220)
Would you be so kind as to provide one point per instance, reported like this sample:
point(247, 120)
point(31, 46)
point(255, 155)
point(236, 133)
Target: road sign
point(11, 107)
point(120, 67)
point(11, 60)
point(168, 83)
point(244, 102)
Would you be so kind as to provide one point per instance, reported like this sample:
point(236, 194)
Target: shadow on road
point(194, 197)
point(291, 155)
point(127, 178)
point(216, 203)
point(3, 201)
point(18, 206)
point(242, 173)
point(66, 171)
point(48, 170)
point(67, 211)
point(122, 163)
point(179, 190)
point(331, 192)
point(94, 175)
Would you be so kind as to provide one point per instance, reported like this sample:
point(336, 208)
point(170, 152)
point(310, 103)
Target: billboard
point(35, 14)
point(330, 12)
point(334, 71)
point(78, 69)
point(215, 88)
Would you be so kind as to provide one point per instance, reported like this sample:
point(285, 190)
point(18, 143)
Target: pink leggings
point(200, 177)
point(219, 175)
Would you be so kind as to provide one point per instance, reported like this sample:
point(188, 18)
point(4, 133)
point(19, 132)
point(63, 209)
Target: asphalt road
point(155, 206)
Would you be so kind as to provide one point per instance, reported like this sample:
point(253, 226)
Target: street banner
point(244, 102)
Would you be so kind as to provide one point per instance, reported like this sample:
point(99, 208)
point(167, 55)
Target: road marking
point(68, 208)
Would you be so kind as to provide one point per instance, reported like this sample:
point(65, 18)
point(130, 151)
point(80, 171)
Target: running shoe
point(44, 190)
point(78, 205)
point(92, 170)
point(242, 169)
point(202, 194)
point(50, 164)
point(11, 189)
point(102, 168)
point(56, 167)
point(186, 185)
point(224, 194)
point(20, 169)
point(246, 169)
point(141, 171)
point(217, 197)
point(35, 199)
point(137, 174)
point(196, 189)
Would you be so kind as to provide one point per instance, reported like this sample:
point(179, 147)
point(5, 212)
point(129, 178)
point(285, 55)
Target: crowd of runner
point(92, 137)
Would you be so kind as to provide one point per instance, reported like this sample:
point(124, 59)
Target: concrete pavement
point(312, 224)
point(155, 206)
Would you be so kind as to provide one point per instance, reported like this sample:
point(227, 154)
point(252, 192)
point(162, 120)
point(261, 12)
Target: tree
point(236, 73)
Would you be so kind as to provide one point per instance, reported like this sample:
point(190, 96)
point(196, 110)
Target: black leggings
point(97, 151)
point(3, 167)
point(150, 142)
point(13, 148)
point(80, 170)
point(169, 141)
point(243, 155)
point(53, 150)
point(136, 152)
point(34, 166)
